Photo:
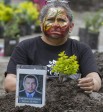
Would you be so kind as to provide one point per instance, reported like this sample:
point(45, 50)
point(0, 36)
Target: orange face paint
point(56, 23)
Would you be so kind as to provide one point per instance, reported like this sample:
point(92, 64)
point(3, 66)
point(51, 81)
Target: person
point(56, 24)
point(30, 87)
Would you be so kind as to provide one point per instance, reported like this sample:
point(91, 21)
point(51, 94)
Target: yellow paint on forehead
point(56, 12)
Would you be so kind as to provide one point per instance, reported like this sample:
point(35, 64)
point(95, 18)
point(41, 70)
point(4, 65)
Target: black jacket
point(36, 95)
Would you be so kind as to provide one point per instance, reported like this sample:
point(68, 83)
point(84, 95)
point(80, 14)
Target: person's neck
point(54, 42)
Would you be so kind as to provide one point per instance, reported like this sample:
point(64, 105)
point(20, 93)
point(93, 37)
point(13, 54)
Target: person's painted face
point(30, 85)
point(56, 23)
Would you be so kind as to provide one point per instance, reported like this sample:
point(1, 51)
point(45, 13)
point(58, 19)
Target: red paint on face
point(57, 31)
point(56, 23)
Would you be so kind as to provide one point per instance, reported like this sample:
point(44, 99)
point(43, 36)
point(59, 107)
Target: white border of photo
point(34, 71)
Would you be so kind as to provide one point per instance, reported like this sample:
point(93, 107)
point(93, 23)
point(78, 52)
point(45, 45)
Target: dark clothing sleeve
point(19, 56)
point(87, 61)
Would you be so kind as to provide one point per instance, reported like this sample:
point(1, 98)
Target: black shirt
point(35, 51)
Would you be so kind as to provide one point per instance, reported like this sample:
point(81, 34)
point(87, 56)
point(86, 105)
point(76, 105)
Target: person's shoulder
point(38, 94)
point(79, 44)
point(28, 42)
point(22, 93)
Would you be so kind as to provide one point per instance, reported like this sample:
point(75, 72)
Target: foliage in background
point(27, 12)
point(11, 30)
point(6, 13)
point(66, 65)
point(94, 22)
point(12, 16)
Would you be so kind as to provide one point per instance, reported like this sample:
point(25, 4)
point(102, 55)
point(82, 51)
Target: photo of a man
point(30, 84)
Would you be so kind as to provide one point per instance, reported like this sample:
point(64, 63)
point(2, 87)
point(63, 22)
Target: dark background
point(82, 5)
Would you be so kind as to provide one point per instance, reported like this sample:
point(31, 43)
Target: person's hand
point(10, 83)
point(87, 84)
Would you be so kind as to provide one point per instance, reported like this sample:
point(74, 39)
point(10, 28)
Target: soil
point(61, 97)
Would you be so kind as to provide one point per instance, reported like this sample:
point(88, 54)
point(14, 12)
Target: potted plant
point(84, 30)
point(10, 28)
point(37, 27)
point(90, 33)
point(93, 30)
point(11, 37)
point(65, 66)
point(6, 15)
point(27, 15)
point(1, 29)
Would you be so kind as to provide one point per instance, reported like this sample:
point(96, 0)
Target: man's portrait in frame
point(30, 87)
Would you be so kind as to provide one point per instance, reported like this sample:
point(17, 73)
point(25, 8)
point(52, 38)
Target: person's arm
point(19, 56)
point(92, 82)
point(10, 83)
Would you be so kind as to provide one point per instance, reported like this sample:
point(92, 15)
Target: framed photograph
point(30, 85)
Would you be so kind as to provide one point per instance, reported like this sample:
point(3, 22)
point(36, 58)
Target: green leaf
point(65, 64)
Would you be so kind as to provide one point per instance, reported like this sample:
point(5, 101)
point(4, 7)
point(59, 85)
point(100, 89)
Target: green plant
point(6, 13)
point(93, 22)
point(27, 12)
point(11, 30)
point(14, 16)
point(66, 65)
point(9, 22)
